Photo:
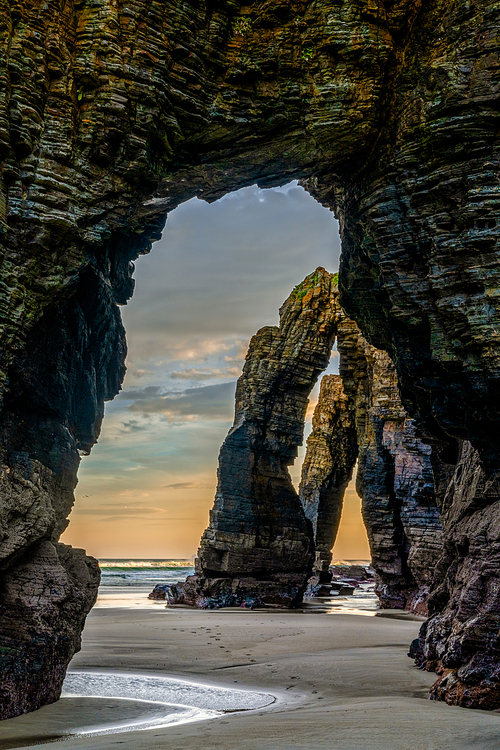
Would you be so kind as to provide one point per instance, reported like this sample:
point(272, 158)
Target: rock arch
point(113, 113)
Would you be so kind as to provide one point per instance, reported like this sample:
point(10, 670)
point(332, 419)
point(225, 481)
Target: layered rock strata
point(359, 414)
point(258, 548)
point(51, 414)
point(394, 479)
point(332, 450)
point(112, 114)
point(461, 641)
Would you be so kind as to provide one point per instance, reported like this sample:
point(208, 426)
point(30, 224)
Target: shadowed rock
point(258, 547)
point(332, 450)
point(113, 114)
point(360, 412)
point(51, 413)
point(461, 639)
point(395, 477)
point(45, 599)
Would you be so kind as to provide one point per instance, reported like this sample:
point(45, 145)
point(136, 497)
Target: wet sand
point(341, 682)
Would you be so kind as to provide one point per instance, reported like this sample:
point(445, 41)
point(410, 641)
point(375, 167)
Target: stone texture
point(112, 114)
point(394, 479)
point(332, 450)
point(51, 413)
point(460, 641)
point(258, 548)
point(359, 413)
point(45, 599)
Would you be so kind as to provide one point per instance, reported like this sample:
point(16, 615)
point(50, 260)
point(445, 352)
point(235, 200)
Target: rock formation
point(112, 114)
point(51, 412)
point(461, 639)
point(258, 547)
point(359, 413)
point(332, 450)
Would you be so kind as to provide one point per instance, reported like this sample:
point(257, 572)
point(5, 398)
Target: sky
point(219, 273)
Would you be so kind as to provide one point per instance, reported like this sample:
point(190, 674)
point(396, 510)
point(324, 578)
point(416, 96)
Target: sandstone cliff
point(112, 114)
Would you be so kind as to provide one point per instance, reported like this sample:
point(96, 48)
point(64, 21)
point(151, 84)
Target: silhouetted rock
point(160, 591)
point(45, 599)
point(395, 477)
point(354, 572)
point(360, 412)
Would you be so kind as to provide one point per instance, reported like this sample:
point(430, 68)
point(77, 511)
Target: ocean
point(127, 583)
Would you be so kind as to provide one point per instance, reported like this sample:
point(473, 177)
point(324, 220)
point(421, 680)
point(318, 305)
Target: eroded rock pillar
point(258, 548)
point(51, 412)
point(395, 477)
point(332, 450)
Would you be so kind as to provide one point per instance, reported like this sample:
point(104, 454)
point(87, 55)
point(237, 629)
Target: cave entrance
point(218, 274)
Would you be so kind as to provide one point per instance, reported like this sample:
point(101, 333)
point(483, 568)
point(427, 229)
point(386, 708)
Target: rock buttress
point(258, 548)
point(395, 477)
point(420, 274)
point(461, 641)
point(332, 450)
point(52, 412)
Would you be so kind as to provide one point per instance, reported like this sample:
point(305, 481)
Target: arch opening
point(218, 274)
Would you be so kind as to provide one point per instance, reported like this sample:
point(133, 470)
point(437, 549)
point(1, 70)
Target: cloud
point(206, 402)
point(137, 395)
point(132, 426)
point(205, 374)
point(188, 486)
point(240, 354)
point(220, 272)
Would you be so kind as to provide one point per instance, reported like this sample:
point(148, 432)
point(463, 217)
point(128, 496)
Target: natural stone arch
point(359, 420)
point(111, 115)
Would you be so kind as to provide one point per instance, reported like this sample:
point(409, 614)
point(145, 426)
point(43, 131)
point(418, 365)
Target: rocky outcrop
point(112, 114)
point(359, 413)
point(394, 479)
point(460, 641)
point(51, 413)
point(45, 599)
point(258, 548)
point(332, 450)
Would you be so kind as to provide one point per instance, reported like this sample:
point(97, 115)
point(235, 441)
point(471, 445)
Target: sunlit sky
point(220, 272)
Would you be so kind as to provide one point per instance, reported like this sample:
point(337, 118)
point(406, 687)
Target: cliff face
point(394, 479)
point(51, 412)
point(359, 415)
point(258, 547)
point(332, 450)
point(460, 641)
point(112, 114)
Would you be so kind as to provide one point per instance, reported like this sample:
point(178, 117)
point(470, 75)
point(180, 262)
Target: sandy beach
point(340, 681)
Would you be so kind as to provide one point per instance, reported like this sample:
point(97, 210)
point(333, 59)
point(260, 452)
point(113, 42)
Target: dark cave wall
point(111, 115)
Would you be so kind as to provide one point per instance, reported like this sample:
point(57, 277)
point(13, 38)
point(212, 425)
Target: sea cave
point(112, 114)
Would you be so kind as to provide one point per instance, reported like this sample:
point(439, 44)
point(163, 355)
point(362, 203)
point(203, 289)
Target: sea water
point(151, 701)
point(127, 583)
